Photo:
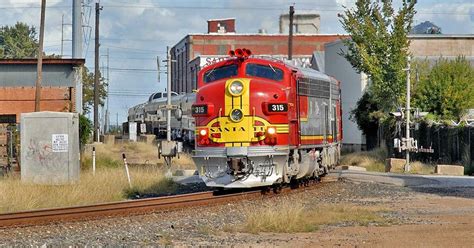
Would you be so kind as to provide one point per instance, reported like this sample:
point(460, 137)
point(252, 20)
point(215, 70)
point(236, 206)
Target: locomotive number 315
point(199, 109)
point(277, 107)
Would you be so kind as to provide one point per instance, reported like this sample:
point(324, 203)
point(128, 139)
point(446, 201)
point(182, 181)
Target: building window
point(7, 118)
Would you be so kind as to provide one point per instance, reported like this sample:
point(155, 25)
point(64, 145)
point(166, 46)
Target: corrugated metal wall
point(24, 75)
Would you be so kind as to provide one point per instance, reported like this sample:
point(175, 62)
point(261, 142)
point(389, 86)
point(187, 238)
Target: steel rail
point(129, 207)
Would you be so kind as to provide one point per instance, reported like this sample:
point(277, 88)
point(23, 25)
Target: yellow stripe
point(242, 102)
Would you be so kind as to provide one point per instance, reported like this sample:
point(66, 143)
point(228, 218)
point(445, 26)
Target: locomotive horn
point(239, 53)
point(247, 52)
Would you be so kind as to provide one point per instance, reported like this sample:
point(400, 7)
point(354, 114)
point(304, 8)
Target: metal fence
point(451, 145)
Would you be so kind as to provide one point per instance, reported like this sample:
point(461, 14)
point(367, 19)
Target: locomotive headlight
point(236, 88)
point(203, 132)
point(271, 130)
point(236, 115)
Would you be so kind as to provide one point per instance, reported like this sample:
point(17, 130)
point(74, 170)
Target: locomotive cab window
point(264, 71)
point(220, 73)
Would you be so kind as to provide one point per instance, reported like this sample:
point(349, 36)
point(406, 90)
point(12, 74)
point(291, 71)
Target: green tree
point(88, 90)
point(379, 48)
point(85, 130)
point(447, 90)
point(18, 41)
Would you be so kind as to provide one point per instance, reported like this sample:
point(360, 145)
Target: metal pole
point(407, 114)
point(76, 29)
point(126, 169)
point(96, 74)
point(290, 36)
point(93, 160)
point(62, 35)
point(168, 96)
point(39, 67)
point(107, 118)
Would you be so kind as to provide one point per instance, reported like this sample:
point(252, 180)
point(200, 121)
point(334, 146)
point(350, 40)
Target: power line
point(260, 8)
point(134, 69)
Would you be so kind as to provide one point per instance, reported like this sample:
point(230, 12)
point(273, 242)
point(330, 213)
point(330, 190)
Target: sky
point(134, 33)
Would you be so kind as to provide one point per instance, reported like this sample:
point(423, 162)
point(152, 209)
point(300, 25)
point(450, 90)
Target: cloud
point(453, 18)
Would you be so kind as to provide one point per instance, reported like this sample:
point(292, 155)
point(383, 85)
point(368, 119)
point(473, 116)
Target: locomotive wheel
point(277, 189)
point(306, 183)
point(266, 190)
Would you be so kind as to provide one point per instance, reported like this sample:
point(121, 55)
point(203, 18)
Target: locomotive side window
point(220, 73)
point(264, 71)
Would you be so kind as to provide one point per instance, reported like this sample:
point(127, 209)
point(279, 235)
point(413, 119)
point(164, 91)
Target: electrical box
point(50, 147)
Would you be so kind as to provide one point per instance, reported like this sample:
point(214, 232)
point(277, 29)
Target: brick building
point(197, 50)
point(61, 78)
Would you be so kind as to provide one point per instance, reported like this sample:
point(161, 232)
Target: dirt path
point(442, 222)
point(439, 221)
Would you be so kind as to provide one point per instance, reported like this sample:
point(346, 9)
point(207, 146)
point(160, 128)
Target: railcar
point(264, 122)
point(153, 114)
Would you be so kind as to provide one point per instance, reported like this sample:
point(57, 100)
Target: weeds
point(109, 184)
point(421, 168)
point(292, 217)
point(373, 160)
point(110, 156)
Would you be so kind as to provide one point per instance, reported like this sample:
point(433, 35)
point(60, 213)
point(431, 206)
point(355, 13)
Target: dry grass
point(136, 152)
point(372, 160)
point(421, 168)
point(291, 217)
point(109, 184)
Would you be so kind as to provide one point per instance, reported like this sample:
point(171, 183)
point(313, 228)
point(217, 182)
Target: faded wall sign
point(59, 142)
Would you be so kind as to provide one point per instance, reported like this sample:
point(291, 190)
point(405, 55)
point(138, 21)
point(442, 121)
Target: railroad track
point(132, 207)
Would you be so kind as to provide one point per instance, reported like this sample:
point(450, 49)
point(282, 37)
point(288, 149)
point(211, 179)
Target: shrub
point(85, 130)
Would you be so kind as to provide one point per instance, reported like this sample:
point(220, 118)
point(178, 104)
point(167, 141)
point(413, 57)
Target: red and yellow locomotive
point(262, 122)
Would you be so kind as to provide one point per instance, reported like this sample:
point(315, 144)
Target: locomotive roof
point(305, 71)
point(310, 72)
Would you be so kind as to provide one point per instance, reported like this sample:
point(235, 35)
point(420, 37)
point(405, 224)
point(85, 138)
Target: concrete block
point(109, 139)
point(394, 164)
point(352, 168)
point(450, 170)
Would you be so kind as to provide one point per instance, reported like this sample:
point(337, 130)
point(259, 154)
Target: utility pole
point(407, 116)
point(96, 74)
point(107, 117)
point(290, 36)
point(39, 67)
point(168, 95)
point(62, 35)
point(76, 29)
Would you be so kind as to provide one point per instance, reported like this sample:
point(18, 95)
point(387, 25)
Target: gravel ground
point(205, 226)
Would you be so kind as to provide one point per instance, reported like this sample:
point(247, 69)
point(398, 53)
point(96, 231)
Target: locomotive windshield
point(220, 73)
point(264, 71)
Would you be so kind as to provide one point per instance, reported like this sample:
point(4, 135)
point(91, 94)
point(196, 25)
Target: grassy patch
point(373, 160)
point(421, 168)
point(291, 217)
point(137, 153)
point(205, 230)
point(109, 184)
point(166, 240)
